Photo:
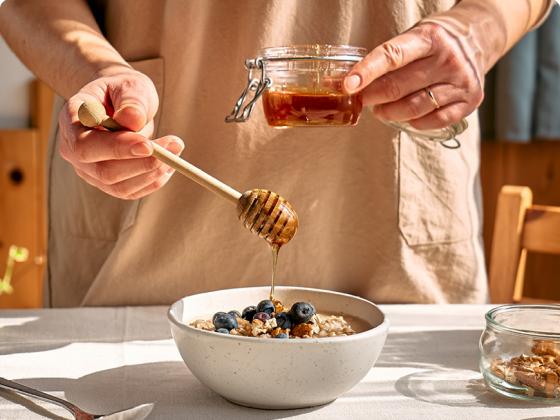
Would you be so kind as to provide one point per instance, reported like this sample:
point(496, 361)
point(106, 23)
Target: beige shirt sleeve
point(549, 6)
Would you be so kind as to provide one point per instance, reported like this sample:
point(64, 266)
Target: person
point(383, 215)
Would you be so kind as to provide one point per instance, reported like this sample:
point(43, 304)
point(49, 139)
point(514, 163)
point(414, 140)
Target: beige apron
point(382, 215)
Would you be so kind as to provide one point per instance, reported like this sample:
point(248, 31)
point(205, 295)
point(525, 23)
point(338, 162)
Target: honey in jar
point(293, 108)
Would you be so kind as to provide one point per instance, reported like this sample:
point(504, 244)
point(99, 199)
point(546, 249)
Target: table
point(106, 359)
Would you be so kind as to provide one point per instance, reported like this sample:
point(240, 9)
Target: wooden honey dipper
point(263, 212)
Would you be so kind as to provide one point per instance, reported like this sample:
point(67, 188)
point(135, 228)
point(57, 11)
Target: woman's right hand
point(118, 163)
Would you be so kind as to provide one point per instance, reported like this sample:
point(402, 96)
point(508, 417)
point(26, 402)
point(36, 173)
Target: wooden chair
point(519, 227)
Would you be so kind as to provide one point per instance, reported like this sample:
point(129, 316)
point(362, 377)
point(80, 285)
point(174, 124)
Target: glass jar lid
point(313, 52)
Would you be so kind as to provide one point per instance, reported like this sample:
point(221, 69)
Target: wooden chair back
point(519, 227)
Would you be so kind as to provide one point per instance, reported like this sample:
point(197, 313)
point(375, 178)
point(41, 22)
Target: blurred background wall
point(520, 124)
point(14, 90)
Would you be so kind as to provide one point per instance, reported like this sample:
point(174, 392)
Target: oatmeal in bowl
point(271, 319)
point(310, 347)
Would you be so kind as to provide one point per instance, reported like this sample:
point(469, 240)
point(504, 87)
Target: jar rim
point(493, 322)
point(313, 51)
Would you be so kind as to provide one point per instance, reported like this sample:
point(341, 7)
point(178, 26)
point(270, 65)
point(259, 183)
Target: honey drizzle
point(275, 248)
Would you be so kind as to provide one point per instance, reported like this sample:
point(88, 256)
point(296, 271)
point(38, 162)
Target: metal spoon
point(263, 212)
point(139, 412)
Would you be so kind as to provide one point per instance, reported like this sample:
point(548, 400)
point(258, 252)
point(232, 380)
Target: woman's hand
point(425, 76)
point(118, 163)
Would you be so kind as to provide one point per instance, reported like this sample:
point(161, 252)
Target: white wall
point(14, 90)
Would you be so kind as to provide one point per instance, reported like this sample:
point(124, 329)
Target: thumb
point(131, 116)
point(135, 103)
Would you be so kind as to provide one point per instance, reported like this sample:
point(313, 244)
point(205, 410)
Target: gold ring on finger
point(432, 97)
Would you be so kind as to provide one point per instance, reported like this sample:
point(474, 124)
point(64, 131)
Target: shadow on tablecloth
point(543, 418)
point(29, 331)
point(174, 390)
point(448, 369)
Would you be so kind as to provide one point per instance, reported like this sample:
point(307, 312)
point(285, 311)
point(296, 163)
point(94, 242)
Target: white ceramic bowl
point(277, 373)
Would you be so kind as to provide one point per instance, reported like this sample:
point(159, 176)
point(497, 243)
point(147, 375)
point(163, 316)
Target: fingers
point(126, 176)
point(388, 57)
point(135, 187)
point(442, 117)
point(150, 188)
point(401, 83)
point(394, 78)
point(134, 100)
point(172, 143)
point(96, 146)
point(418, 104)
point(114, 171)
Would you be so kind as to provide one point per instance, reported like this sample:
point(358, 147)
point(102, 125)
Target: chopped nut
point(278, 307)
point(271, 323)
point(277, 331)
point(202, 324)
point(543, 348)
point(302, 330)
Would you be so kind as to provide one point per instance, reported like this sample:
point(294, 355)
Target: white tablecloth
point(106, 359)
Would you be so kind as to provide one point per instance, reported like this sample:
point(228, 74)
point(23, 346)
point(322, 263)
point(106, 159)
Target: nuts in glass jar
point(539, 372)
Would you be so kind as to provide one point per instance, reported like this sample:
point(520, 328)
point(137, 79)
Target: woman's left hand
point(425, 76)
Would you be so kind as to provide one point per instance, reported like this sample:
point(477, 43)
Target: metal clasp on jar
point(257, 82)
point(446, 136)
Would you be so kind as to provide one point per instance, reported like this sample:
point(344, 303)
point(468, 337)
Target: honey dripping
point(275, 248)
point(292, 109)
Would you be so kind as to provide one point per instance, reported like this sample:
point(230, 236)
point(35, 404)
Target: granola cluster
point(539, 372)
point(280, 322)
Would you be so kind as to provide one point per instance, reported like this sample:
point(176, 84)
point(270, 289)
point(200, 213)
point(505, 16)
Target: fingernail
point(352, 82)
point(132, 107)
point(131, 116)
point(141, 149)
point(169, 170)
point(177, 146)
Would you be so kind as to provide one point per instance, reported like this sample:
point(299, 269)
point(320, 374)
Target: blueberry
point(281, 335)
point(283, 320)
point(222, 331)
point(235, 314)
point(217, 314)
point(266, 306)
point(262, 316)
point(248, 313)
point(301, 312)
point(223, 320)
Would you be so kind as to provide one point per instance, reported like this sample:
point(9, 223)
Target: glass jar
point(301, 86)
point(308, 92)
point(520, 352)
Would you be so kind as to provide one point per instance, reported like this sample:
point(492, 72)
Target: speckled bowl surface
point(277, 373)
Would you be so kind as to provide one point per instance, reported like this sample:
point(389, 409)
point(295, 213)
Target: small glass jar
point(306, 88)
point(520, 352)
point(301, 86)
